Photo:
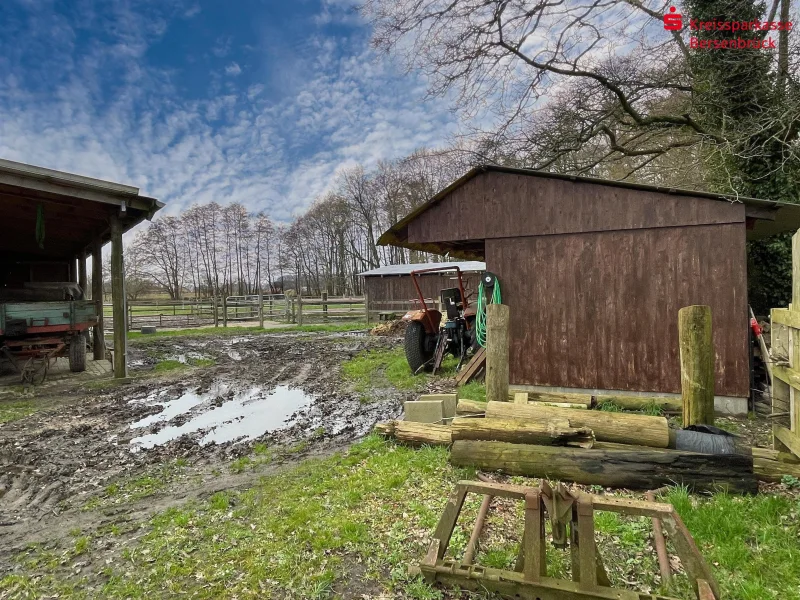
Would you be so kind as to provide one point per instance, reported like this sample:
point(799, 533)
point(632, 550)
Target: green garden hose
point(480, 316)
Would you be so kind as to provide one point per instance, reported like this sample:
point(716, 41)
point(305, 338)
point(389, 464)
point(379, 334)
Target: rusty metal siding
point(500, 205)
point(386, 292)
point(600, 310)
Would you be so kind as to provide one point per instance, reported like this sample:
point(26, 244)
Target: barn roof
point(766, 217)
point(75, 210)
point(470, 266)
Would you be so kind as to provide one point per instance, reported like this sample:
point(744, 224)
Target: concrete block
point(448, 402)
point(424, 411)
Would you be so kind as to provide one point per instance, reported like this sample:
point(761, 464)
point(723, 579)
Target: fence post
point(366, 306)
point(299, 310)
point(261, 310)
point(130, 317)
point(214, 308)
point(497, 322)
point(325, 306)
point(224, 311)
point(697, 365)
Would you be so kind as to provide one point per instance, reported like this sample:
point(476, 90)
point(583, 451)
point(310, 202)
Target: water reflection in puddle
point(247, 415)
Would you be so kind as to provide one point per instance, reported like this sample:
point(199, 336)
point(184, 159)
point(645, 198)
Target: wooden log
point(497, 323)
point(470, 407)
point(607, 426)
point(634, 469)
point(697, 365)
point(667, 404)
point(553, 432)
point(520, 397)
point(553, 397)
point(767, 469)
point(416, 434)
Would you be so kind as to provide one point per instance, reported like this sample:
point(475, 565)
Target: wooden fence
point(785, 332)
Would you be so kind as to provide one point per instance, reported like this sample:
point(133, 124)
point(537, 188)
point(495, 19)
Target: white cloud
point(233, 69)
point(241, 143)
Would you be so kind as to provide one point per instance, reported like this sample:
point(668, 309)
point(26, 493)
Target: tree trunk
point(470, 407)
point(497, 326)
point(636, 469)
point(416, 434)
point(697, 365)
point(553, 432)
point(608, 427)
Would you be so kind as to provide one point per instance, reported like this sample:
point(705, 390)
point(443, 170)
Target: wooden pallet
point(473, 368)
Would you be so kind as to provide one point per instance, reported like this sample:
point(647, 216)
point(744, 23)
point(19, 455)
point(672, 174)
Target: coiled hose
point(480, 316)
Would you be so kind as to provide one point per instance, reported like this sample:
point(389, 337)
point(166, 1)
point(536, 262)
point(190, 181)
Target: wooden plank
point(474, 366)
point(788, 438)
point(444, 530)
point(784, 316)
point(520, 397)
point(788, 376)
point(99, 345)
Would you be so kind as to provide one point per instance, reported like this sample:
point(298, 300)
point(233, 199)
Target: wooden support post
point(214, 309)
point(325, 306)
point(118, 300)
point(366, 306)
point(224, 311)
point(299, 310)
point(697, 365)
point(497, 322)
point(97, 297)
point(73, 272)
point(82, 273)
point(260, 309)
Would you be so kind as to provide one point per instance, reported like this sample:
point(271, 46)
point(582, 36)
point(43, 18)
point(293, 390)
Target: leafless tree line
point(216, 249)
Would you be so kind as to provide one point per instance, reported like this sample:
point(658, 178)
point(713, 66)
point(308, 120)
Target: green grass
point(473, 390)
point(206, 331)
point(370, 511)
point(380, 369)
point(166, 366)
point(12, 410)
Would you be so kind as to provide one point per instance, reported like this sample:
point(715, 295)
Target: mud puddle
point(246, 416)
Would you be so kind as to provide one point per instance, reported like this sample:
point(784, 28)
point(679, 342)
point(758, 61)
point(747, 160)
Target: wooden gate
point(785, 336)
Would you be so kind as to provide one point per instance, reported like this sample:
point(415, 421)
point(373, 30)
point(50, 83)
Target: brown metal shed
point(595, 271)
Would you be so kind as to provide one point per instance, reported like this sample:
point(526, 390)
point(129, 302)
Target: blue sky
point(192, 101)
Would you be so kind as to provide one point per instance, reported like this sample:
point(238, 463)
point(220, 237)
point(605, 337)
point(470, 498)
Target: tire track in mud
point(53, 462)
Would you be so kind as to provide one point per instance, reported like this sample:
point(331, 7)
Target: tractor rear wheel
point(77, 354)
point(416, 354)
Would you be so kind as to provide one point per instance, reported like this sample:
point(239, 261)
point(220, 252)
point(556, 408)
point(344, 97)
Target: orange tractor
point(427, 340)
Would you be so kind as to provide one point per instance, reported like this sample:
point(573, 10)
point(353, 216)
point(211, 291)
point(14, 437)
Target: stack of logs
point(541, 439)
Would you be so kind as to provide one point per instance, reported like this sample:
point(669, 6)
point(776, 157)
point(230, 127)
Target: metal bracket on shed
point(565, 509)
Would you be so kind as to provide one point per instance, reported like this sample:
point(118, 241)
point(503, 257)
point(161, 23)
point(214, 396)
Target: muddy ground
point(282, 391)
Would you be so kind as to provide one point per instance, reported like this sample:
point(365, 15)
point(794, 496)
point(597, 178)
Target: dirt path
point(278, 391)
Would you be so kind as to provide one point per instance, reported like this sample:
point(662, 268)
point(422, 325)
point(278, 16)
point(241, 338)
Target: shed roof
point(766, 217)
point(76, 210)
point(470, 266)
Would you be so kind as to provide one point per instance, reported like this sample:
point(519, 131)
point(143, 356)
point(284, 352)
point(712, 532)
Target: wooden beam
point(758, 212)
point(82, 273)
point(788, 438)
point(784, 316)
point(97, 297)
point(697, 365)
point(497, 326)
point(118, 300)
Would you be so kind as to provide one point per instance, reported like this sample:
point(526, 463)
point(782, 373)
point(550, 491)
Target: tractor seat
point(453, 302)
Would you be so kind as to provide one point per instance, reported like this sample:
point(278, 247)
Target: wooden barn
point(595, 271)
point(390, 288)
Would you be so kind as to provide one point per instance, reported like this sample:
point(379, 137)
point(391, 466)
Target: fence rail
point(204, 312)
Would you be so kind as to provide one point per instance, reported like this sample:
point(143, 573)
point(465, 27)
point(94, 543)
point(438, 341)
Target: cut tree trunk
point(697, 365)
point(470, 407)
point(607, 426)
point(416, 434)
point(636, 469)
point(553, 432)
